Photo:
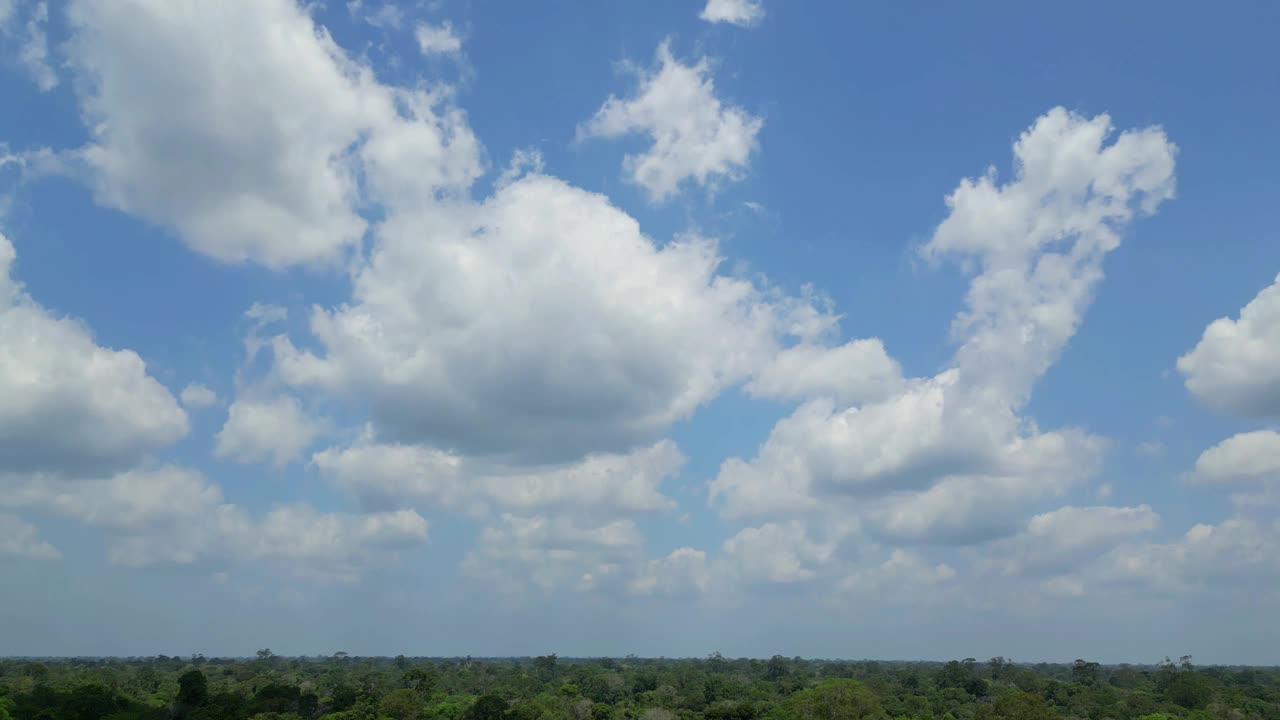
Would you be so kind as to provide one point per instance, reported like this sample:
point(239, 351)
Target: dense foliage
point(550, 688)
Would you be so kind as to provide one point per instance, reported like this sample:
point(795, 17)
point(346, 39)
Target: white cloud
point(1067, 537)
point(250, 136)
point(197, 397)
point(904, 575)
point(70, 404)
point(1238, 552)
point(537, 327)
point(608, 483)
point(34, 53)
point(948, 458)
point(437, 39)
point(127, 501)
point(695, 137)
point(174, 516)
point(552, 554)
point(683, 570)
point(774, 553)
point(855, 372)
point(261, 429)
point(1245, 457)
point(737, 12)
point(21, 539)
point(332, 546)
point(1235, 368)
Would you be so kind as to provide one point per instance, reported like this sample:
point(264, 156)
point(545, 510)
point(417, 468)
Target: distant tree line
point(342, 687)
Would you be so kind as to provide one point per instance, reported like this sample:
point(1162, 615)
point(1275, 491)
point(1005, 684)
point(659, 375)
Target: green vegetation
point(341, 687)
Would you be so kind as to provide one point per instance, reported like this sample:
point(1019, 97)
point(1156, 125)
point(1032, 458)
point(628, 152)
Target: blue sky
point(895, 331)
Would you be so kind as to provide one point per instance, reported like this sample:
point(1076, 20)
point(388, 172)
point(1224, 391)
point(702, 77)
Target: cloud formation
point(71, 405)
point(1235, 368)
point(695, 136)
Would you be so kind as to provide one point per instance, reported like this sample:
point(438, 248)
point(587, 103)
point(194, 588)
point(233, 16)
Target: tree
point(487, 707)
point(265, 654)
point(1021, 706)
point(401, 704)
point(836, 700)
point(776, 669)
point(420, 679)
point(545, 666)
point(193, 689)
point(1084, 672)
point(1190, 690)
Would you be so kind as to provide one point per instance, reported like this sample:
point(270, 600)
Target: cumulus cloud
point(274, 429)
point(332, 547)
point(948, 458)
point(774, 553)
point(174, 516)
point(611, 483)
point(21, 539)
point(737, 12)
point(198, 397)
point(1238, 552)
point(695, 136)
point(437, 39)
point(1062, 539)
point(552, 554)
point(249, 138)
point(537, 327)
point(855, 372)
point(1235, 368)
point(1245, 457)
point(683, 571)
point(71, 405)
point(127, 501)
point(904, 574)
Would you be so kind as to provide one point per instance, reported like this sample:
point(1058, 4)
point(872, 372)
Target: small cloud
point(743, 13)
point(1164, 422)
point(754, 207)
point(1151, 449)
point(438, 39)
point(1104, 491)
point(196, 397)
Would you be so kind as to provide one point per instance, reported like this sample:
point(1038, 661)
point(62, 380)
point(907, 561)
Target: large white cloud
point(69, 404)
point(1235, 368)
point(250, 137)
point(538, 326)
point(695, 136)
point(948, 458)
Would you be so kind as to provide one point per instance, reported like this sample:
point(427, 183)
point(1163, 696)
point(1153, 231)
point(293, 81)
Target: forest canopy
point(343, 687)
